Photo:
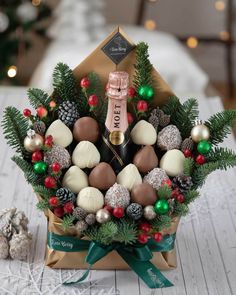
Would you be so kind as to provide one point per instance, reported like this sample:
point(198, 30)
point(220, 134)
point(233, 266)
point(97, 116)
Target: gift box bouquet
point(115, 159)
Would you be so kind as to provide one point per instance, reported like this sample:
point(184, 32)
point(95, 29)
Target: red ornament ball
point(118, 212)
point(143, 238)
point(167, 182)
point(145, 227)
point(175, 193)
point(27, 113)
point(187, 153)
point(53, 201)
point(42, 112)
point(158, 237)
point(37, 156)
point(93, 100)
point(130, 118)
point(131, 92)
point(56, 167)
point(50, 182)
point(59, 212)
point(85, 83)
point(68, 208)
point(179, 198)
point(52, 104)
point(108, 208)
point(142, 106)
point(200, 159)
point(48, 141)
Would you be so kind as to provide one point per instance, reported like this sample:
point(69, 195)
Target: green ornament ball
point(161, 207)
point(204, 147)
point(146, 92)
point(40, 167)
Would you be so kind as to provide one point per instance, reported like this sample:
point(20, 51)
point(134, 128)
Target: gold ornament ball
point(33, 142)
point(200, 132)
point(149, 212)
point(103, 216)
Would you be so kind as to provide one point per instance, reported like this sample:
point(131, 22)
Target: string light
point(192, 42)
point(220, 5)
point(36, 2)
point(150, 25)
point(224, 35)
point(12, 71)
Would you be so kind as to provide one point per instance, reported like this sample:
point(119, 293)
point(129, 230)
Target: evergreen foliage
point(43, 205)
point(103, 234)
point(161, 222)
point(191, 109)
point(127, 231)
point(43, 191)
point(221, 154)
point(180, 209)
point(220, 125)
point(143, 67)
point(67, 222)
point(164, 192)
point(38, 97)
point(15, 127)
point(189, 165)
point(190, 196)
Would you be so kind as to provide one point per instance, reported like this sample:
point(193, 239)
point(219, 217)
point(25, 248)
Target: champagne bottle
point(116, 142)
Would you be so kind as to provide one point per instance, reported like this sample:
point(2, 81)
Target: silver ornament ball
point(103, 216)
point(33, 141)
point(200, 132)
point(149, 212)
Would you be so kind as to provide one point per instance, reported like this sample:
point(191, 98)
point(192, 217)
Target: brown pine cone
point(187, 144)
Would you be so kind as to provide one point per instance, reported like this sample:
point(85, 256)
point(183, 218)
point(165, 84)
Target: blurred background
point(191, 42)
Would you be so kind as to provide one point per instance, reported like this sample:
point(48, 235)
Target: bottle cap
point(118, 84)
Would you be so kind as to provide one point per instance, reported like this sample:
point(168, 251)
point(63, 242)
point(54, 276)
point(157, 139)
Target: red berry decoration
point(93, 100)
point(200, 160)
point(53, 201)
point(187, 153)
point(50, 182)
point(59, 212)
point(56, 167)
point(42, 112)
point(37, 156)
point(145, 227)
point(52, 104)
point(48, 141)
point(143, 238)
point(118, 212)
point(142, 106)
point(175, 193)
point(131, 92)
point(27, 113)
point(68, 207)
point(130, 118)
point(158, 237)
point(167, 182)
point(108, 208)
point(85, 83)
point(179, 198)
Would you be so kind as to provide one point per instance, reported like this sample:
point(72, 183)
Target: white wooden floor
point(206, 242)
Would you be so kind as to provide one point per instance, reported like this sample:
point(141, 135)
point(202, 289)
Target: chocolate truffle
point(102, 176)
point(143, 194)
point(86, 128)
point(145, 159)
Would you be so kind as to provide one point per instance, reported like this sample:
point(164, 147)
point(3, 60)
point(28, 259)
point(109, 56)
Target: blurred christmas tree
point(18, 20)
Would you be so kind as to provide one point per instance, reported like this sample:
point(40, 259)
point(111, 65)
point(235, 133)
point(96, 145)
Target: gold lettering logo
point(116, 137)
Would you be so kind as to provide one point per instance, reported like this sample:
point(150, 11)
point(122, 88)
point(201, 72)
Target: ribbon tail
point(81, 279)
point(152, 276)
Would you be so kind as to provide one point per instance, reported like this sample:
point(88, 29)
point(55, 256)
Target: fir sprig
point(190, 196)
point(189, 165)
point(180, 209)
point(127, 231)
point(220, 125)
point(67, 222)
point(38, 97)
point(222, 154)
point(43, 205)
point(191, 109)
point(43, 191)
point(164, 192)
point(15, 127)
point(161, 222)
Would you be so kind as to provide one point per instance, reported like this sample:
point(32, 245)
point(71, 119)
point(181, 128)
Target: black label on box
point(117, 48)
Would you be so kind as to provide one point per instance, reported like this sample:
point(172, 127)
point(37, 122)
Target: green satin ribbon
point(137, 256)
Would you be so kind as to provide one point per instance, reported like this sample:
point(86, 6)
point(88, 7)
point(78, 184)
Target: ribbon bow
point(137, 256)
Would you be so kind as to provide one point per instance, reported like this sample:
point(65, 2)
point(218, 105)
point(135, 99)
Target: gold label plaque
point(116, 137)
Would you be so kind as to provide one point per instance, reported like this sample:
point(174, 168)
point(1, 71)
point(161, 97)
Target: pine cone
point(90, 219)
point(182, 182)
point(81, 226)
point(65, 195)
point(153, 119)
point(79, 213)
point(39, 127)
point(68, 112)
point(164, 120)
point(19, 246)
point(4, 247)
point(187, 144)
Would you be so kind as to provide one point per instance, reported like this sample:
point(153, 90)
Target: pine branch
point(189, 165)
point(161, 222)
point(15, 127)
point(127, 231)
point(190, 196)
point(38, 97)
point(220, 125)
point(64, 82)
point(164, 192)
point(106, 232)
point(67, 222)
point(191, 109)
point(43, 191)
point(27, 169)
point(43, 205)
point(180, 209)
point(143, 67)
point(221, 154)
